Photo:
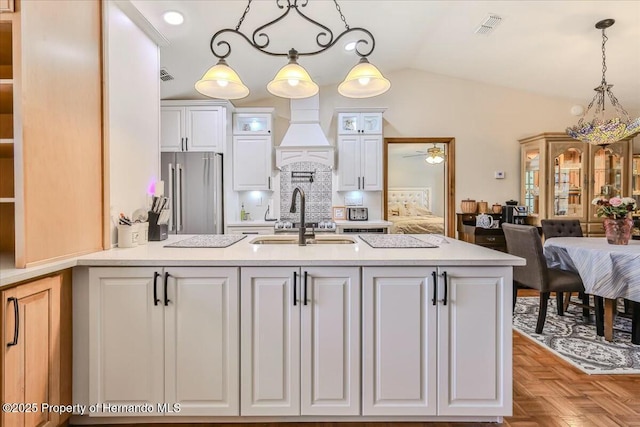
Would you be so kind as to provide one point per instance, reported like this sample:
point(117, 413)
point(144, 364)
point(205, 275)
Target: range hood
point(304, 140)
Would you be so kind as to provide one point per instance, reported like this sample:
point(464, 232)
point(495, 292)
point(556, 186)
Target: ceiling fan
point(434, 155)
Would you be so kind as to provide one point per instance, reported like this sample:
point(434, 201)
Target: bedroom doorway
point(418, 188)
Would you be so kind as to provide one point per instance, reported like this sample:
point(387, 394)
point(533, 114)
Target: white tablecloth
point(610, 271)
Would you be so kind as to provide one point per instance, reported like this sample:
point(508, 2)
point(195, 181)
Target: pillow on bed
point(414, 209)
point(397, 209)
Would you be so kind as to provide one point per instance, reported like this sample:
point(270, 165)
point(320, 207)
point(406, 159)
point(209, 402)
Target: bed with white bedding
point(409, 210)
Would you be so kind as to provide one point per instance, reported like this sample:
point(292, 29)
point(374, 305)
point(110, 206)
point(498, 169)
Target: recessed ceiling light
point(172, 17)
point(350, 46)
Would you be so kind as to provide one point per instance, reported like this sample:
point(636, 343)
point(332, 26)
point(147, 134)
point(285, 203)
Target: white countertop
point(364, 224)
point(256, 223)
point(243, 253)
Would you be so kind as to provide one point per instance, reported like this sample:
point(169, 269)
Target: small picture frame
point(338, 213)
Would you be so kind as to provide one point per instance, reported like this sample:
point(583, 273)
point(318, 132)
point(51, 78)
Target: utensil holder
point(157, 231)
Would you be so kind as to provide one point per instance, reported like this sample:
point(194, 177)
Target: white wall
point(485, 120)
point(132, 112)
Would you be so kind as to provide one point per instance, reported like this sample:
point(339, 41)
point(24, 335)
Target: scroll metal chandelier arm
point(364, 46)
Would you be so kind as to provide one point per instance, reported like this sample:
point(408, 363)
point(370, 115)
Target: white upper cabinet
point(252, 150)
point(360, 123)
point(360, 151)
point(199, 127)
point(359, 162)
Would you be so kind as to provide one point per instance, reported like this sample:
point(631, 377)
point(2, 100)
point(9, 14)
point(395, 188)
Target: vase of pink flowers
point(617, 218)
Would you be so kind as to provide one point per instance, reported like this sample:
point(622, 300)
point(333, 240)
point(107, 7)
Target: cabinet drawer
point(249, 230)
point(490, 240)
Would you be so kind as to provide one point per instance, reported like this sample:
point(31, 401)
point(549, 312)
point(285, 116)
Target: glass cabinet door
point(348, 123)
point(568, 198)
point(635, 179)
point(247, 124)
point(532, 180)
point(607, 165)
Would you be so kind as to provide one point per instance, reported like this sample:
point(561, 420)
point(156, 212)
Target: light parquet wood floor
point(547, 392)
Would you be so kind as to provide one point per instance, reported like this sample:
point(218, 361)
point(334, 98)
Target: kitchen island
point(279, 332)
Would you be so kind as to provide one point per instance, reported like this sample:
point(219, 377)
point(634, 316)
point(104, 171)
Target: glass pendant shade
point(364, 81)
point(221, 81)
point(434, 160)
point(292, 81)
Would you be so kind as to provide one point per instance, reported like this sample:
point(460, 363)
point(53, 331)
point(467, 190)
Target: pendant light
point(600, 131)
point(220, 81)
point(364, 81)
point(293, 81)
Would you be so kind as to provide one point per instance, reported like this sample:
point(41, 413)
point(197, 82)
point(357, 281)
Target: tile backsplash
point(318, 194)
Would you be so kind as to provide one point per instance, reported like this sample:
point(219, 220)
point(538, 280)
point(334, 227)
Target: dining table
point(607, 270)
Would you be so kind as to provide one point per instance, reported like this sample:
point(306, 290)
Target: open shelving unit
point(7, 191)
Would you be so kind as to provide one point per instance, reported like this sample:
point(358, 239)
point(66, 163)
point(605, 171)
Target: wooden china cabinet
point(560, 176)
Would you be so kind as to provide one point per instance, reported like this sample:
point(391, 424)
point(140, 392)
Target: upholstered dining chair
point(565, 228)
point(561, 228)
point(524, 241)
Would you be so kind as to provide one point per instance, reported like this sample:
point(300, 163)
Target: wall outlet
point(498, 174)
point(259, 201)
point(353, 200)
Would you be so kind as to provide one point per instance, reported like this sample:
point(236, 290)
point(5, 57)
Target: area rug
point(575, 340)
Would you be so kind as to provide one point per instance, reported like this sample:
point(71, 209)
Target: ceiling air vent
point(164, 75)
point(488, 24)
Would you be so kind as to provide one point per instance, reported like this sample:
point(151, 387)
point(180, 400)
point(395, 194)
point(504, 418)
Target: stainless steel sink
point(293, 240)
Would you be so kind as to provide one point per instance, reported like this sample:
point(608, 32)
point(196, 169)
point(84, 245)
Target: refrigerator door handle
point(172, 179)
point(179, 198)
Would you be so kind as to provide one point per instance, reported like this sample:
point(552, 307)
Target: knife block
point(157, 231)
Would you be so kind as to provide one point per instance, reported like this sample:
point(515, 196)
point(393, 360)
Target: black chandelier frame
point(325, 38)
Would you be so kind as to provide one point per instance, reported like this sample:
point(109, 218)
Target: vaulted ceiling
point(547, 47)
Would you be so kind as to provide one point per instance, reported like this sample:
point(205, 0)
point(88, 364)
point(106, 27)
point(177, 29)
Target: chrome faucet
point(302, 231)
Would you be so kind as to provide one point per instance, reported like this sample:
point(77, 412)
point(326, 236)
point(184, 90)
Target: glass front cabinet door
point(567, 180)
point(251, 124)
point(533, 174)
point(609, 165)
point(635, 178)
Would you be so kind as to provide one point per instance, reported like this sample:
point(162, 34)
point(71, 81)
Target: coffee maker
point(514, 214)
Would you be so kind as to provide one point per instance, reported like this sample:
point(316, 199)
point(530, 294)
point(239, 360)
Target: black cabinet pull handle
point(435, 287)
point(166, 297)
point(305, 288)
point(446, 288)
point(155, 288)
point(186, 144)
point(16, 316)
point(295, 280)
point(363, 182)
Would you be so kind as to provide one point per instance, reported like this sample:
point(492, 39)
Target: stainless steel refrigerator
point(193, 182)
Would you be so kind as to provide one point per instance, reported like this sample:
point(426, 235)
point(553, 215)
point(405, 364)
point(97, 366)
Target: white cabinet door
point(349, 163)
point(270, 341)
point(205, 128)
point(371, 162)
point(399, 341)
point(201, 340)
point(126, 346)
point(252, 163)
point(474, 342)
point(330, 356)
point(172, 128)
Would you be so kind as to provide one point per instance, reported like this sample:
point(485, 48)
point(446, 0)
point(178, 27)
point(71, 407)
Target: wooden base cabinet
point(164, 336)
point(300, 339)
point(31, 352)
point(437, 341)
